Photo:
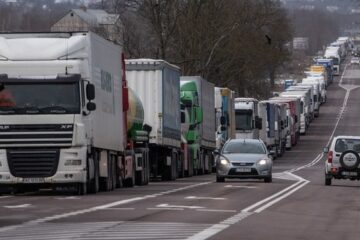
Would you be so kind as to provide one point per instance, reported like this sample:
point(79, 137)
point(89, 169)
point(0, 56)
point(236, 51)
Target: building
point(107, 25)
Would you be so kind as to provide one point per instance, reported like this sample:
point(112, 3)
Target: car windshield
point(344, 144)
point(244, 147)
point(39, 98)
point(243, 119)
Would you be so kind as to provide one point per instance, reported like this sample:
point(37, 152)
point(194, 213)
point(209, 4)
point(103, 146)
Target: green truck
point(198, 124)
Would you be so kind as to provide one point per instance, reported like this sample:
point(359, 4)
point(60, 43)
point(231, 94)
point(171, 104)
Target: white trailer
point(316, 94)
point(157, 83)
point(63, 123)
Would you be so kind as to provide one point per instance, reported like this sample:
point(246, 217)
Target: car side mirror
point(326, 150)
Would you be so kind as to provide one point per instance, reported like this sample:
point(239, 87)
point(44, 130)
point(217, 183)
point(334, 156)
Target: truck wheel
point(81, 188)
point(94, 183)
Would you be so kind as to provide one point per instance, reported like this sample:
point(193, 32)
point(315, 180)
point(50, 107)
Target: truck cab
point(247, 121)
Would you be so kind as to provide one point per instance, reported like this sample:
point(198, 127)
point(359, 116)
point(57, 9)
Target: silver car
point(244, 158)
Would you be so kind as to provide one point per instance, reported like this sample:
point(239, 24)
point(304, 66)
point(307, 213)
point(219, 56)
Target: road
point(296, 205)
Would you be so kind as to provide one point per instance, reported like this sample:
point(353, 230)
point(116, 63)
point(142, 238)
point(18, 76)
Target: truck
point(316, 95)
point(317, 77)
point(247, 121)
point(309, 98)
point(291, 123)
point(304, 108)
point(333, 54)
point(328, 64)
point(267, 114)
point(63, 113)
point(225, 115)
point(157, 84)
point(197, 95)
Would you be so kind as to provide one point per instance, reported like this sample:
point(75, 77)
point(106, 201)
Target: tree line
point(239, 44)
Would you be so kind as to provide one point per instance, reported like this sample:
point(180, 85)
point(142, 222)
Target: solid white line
point(204, 198)
point(269, 204)
point(248, 209)
point(165, 208)
point(2, 197)
point(216, 210)
point(209, 232)
point(125, 209)
point(26, 205)
point(237, 186)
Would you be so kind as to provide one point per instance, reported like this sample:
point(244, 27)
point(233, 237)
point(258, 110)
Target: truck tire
point(349, 160)
point(81, 188)
point(93, 184)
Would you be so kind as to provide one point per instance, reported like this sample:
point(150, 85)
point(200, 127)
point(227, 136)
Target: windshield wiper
point(55, 109)
point(8, 109)
point(28, 109)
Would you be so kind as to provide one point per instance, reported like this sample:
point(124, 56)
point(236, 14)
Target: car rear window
point(344, 144)
point(244, 147)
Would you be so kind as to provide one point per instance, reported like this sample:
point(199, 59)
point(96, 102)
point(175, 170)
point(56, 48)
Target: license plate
point(349, 174)
point(243, 170)
point(34, 180)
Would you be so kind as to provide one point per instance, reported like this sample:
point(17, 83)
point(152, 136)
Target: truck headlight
point(224, 161)
point(73, 162)
point(262, 162)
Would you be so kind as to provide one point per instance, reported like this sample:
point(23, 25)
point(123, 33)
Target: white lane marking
point(163, 208)
point(269, 204)
point(239, 186)
point(166, 205)
point(124, 209)
point(2, 197)
point(216, 210)
point(67, 198)
point(101, 207)
point(209, 232)
point(26, 205)
point(204, 198)
point(274, 196)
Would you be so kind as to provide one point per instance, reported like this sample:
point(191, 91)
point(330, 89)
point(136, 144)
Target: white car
point(355, 61)
point(343, 159)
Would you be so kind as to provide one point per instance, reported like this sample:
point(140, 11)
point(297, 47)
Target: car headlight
point(262, 162)
point(224, 161)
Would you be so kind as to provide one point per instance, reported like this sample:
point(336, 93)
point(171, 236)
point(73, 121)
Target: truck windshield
point(243, 119)
point(39, 98)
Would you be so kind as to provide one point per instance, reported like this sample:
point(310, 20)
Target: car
point(355, 61)
point(244, 158)
point(343, 159)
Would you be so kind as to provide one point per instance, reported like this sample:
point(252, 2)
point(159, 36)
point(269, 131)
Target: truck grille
point(36, 135)
point(28, 163)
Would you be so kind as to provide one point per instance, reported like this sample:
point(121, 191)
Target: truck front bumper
point(70, 168)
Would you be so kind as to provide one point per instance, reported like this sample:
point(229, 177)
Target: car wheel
point(349, 160)
point(327, 181)
point(220, 179)
point(268, 179)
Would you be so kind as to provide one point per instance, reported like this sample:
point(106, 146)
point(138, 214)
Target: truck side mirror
point(91, 106)
point(296, 119)
point(90, 91)
point(223, 128)
point(258, 123)
point(182, 117)
point(199, 114)
point(222, 120)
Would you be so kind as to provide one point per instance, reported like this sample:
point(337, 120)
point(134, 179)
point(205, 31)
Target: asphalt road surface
point(296, 205)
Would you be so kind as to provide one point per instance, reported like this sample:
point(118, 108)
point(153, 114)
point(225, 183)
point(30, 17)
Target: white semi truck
point(247, 121)
point(63, 104)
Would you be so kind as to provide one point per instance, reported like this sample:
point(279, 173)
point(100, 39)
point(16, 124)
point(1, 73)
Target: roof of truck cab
point(152, 64)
